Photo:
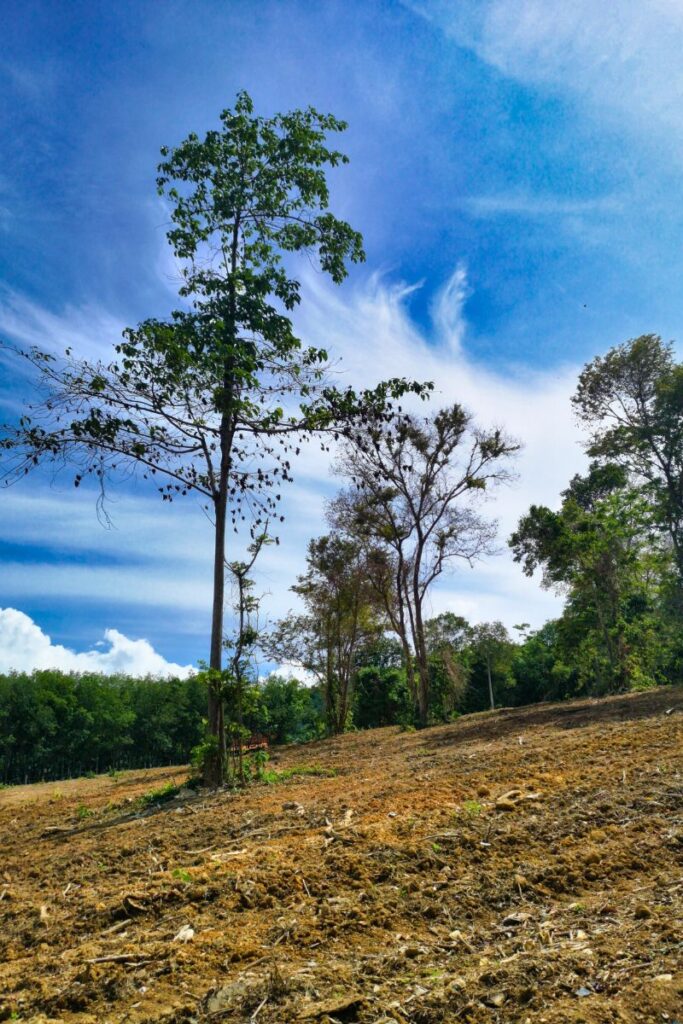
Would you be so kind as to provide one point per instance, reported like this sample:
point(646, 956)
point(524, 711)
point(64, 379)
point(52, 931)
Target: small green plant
point(472, 808)
point(83, 812)
point(436, 848)
point(114, 773)
point(182, 875)
point(160, 796)
point(259, 760)
point(204, 755)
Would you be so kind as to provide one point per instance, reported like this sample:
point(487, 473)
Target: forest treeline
point(55, 725)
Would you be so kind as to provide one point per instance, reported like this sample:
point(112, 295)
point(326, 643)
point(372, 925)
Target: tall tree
point(598, 549)
point(341, 617)
point(491, 642)
point(410, 502)
point(447, 637)
point(214, 399)
point(632, 400)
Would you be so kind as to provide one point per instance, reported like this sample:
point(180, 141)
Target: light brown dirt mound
point(518, 866)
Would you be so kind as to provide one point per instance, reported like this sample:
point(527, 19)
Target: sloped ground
point(519, 866)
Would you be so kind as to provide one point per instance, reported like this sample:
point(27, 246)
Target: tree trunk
point(419, 643)
point(488, 672)
point(214, 769)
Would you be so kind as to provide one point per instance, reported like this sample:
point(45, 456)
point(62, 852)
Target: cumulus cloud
point(25, 647)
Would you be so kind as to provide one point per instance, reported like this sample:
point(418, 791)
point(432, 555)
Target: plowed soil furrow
point(525, 865)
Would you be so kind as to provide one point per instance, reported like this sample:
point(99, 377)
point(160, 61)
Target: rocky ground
point(522, 866)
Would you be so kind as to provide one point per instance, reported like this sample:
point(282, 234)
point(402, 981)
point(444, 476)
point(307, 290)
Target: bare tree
point(410, 501)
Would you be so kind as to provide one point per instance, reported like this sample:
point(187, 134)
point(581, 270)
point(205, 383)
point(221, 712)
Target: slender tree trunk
point(214, 774)
point(422, 666)
point(488, 672)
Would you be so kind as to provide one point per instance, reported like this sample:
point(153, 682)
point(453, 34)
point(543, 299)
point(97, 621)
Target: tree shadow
point(575, 714)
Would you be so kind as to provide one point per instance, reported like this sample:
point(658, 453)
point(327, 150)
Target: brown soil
point(522, 866)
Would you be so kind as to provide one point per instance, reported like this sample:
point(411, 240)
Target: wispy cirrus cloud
point(521, 204)
point(159, 559)
point(89, 330)
point(621, 58)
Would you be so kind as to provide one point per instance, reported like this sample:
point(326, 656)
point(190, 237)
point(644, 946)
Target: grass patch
point(83, 812)
point(159, 796)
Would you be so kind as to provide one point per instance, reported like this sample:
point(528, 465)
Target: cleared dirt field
point(523, 865)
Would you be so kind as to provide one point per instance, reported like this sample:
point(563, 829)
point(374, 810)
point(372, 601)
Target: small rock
point(664, 979)
point(514, 920)
point(496, 999)
point(292, 805)
point(335, 1006)
point(186, 934)
point(503, 804)
point(582, 992)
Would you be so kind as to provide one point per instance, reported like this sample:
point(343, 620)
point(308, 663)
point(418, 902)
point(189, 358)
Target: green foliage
point(182, 875)
point(203, 754)
point(161, 795)
point(341, 617)
point(381, 697)
point(287, 711)
point(632, 401)
point(603, 550)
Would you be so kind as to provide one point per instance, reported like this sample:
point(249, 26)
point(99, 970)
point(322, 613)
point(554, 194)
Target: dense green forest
point(55, 725)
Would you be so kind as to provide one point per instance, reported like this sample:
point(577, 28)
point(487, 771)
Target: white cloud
point(89, 330)
point(292, 672)
point(24, 647)
point(160, 557)
point(522, 204)
point(372, 330)
point(623, 58)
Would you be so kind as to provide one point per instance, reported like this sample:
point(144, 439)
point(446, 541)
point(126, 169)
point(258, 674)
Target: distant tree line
point(55, 725)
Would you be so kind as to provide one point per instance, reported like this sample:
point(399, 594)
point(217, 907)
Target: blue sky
point(529, 153)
